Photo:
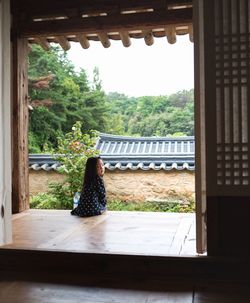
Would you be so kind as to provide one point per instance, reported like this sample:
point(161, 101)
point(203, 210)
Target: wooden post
point(200, 130)
point(20, 155)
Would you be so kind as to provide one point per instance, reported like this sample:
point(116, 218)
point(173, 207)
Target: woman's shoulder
point(96, 183)
point(99, 181)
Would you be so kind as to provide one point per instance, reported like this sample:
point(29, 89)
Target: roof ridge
point(154, 138)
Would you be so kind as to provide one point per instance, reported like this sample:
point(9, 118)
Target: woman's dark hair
point(90, 171)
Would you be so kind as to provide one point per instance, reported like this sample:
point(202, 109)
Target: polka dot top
point(92, 200)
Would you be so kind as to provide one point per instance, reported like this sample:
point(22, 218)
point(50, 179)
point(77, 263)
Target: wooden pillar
point(20, 155)
point(200, 131)
point(226, 60)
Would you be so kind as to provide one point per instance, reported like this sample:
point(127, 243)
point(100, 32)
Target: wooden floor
point(141, 233)
point(36, 276)
point(32, 292)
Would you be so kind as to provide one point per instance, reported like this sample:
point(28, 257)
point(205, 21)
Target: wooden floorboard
point(144, 233)
point(34, 292)
point(30, 292)
point(72, 260)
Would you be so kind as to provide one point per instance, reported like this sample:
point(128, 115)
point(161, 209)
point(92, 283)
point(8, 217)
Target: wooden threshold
point(120, 271)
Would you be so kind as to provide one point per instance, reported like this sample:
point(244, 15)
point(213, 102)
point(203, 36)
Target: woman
point(93, 196)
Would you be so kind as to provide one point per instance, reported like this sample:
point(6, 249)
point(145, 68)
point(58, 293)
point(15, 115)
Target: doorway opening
point(98, 36)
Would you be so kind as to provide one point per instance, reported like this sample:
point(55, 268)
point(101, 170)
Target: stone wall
point(148, 185)
point(38, 180)
point(130, 185)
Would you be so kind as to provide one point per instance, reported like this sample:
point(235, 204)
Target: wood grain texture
point(50, 292)
point(38, 292)
point(20, 120)
point(113, 232)
point(30, 292)
point(151, 273)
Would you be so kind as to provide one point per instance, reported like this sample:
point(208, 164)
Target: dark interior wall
point(228, 226)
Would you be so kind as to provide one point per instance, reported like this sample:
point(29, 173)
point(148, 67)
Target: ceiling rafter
point(58, 7)
point(107, 24)
point(62, 21)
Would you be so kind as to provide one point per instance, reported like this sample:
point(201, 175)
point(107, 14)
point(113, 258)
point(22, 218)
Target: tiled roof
point(41, 161)
point(145, 153)
point(120, 152)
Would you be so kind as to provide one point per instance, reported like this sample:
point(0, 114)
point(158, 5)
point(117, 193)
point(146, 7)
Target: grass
point(153, 206)
point(47, 201)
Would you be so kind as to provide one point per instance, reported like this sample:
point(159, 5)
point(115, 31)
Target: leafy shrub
point(45, 201)
point(74, 149)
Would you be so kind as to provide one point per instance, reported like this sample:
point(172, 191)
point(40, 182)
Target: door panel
point(222, 99)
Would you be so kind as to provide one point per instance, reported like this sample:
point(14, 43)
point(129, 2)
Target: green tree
point(153, 115)
point(72, 98)
point(117, 125)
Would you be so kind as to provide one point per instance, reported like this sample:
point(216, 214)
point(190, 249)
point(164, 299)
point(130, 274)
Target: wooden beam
point(103, 37)
point(43, 43)
point(191, 33)
point(159, 33)
point(123, 271)
point(20, 120)
point(126, 41)
point(64, 8)
point(171, 34)
point(118, 23)
point(149, 38)
point(83, 41)
point(65, 44)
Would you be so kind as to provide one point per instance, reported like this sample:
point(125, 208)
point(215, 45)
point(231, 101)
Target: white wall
point(5, 124)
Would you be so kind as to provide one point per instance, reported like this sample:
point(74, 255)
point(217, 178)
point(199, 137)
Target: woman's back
point(93, 198)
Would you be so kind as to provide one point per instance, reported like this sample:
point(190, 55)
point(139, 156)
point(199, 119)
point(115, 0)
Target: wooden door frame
point(20, 191)
point(22, 29)
point(200, 129)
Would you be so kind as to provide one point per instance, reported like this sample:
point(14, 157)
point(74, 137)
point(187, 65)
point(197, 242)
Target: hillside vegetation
point(60, 96)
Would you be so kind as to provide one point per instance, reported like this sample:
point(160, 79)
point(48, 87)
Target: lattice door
point(222, 96)
point(227, 104)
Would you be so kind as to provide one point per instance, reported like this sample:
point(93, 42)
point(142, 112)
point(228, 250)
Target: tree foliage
point(73, 150)
point(60, 96)
point(72, 95)
point(153, 115)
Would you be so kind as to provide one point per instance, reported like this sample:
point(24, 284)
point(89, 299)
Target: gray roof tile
point(144, 153)
point(122, 152)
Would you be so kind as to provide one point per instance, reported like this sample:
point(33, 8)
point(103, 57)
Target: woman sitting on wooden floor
point(93, 196)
